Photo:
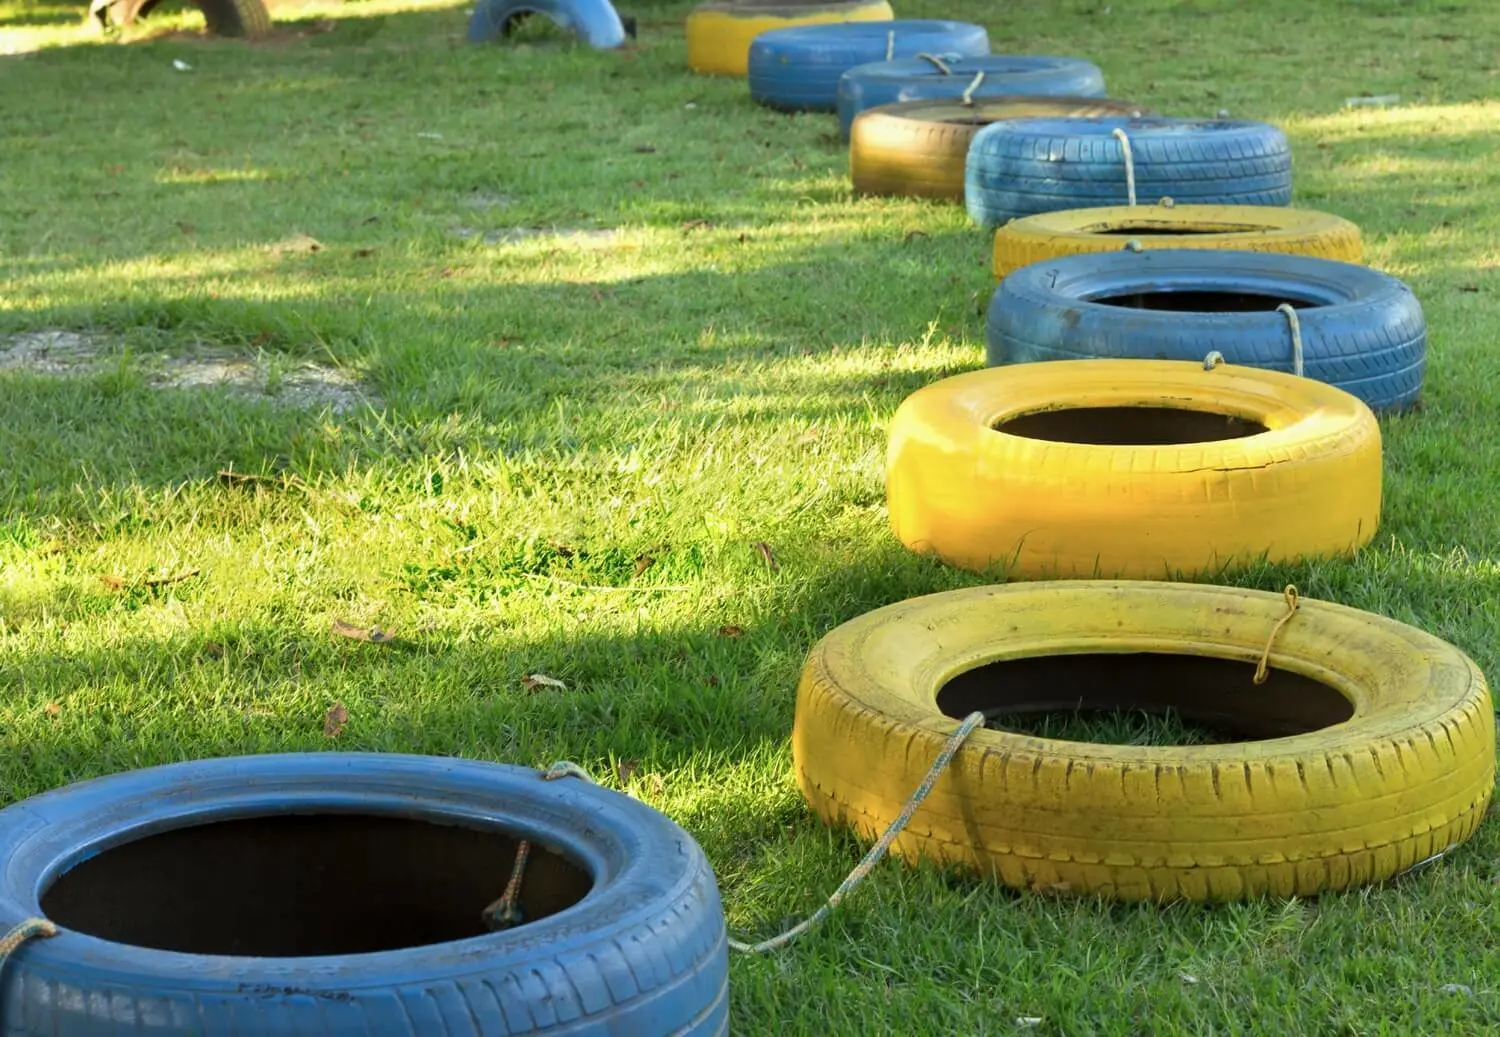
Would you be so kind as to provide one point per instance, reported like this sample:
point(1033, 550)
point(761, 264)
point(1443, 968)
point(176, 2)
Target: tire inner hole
point(1146, 230)
point(1129, 426)
point(1192, 301)
point(1145, 698)
point(291, 886)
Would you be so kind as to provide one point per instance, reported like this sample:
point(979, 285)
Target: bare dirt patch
point(278, 380)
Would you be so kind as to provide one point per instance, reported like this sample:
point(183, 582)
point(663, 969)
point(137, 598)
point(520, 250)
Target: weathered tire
point(719, 32)
point(1408, 775)
point(917, 148)
point(934, 78)
point(644, 951)
point(1143, 469)
point(798, 70)
point(1019, 168)
point(596, 22)
point(248, 18)
point(1362, 330)
point(1244, 228)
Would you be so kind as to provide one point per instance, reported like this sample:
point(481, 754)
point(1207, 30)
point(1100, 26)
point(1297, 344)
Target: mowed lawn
point(641, 452)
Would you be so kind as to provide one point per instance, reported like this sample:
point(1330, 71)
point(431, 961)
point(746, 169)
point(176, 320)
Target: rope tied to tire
point(505, 911)
point(1213, 360)
point(890, 44)
point(1124, 140)
point(942, 66)
point(968, 94)
point(1291, 318)
point(31, 929)
point(1263, 668)
point(861, 871)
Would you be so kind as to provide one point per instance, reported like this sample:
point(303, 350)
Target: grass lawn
point(642, 452)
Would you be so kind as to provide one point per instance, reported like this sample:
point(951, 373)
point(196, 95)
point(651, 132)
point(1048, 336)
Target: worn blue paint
point(1005, 75)
point(644, 952)
point(1362, 330)
point(798, 69)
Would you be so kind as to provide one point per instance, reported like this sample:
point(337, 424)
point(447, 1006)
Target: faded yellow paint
point(719, 33)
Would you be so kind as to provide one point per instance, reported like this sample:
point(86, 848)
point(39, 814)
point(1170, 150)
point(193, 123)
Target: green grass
point(717, 374)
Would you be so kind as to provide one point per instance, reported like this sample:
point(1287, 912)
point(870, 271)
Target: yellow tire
point(719, 32)
point(1141, 469)
point(917, 148)
point(1247, 228)
point(1374, 750)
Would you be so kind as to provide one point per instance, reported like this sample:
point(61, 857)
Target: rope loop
point(1120, 136)
point(890, 44)
point(942, 66)
point(1263, 669)
point(567, 769)
point(867, 864)
point(31, 929)
point(968, 95)
point(1213, 360)
point(1291, 318)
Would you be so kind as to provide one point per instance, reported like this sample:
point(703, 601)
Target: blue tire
point(596, 22)
point(636, 945)
point(1028, 166)
point(921, 79)
point(798, 69)
point(1362, 331)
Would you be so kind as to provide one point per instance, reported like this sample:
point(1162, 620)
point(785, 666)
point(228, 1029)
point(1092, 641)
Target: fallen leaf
point(730, 630)
point(261, 338)
point(713, 682)
point(913, 235)
point(533, 681)
point(52, 709)
point(334, 720)
point(354, 633)
point(213, 650)
point(297, 243)
point(625, 769)
point(697, 225)
point(114, 583)
point(363, 253)
point(810, 436)
point(563, 550)
point(644, 149)
point(765, 553)
point(1468, 288)
point(658, 784)
point(643, 563)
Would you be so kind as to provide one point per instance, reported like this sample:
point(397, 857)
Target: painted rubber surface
point(1367, 335)
point(1041, 165)
point(719, 32)
point(643, 953)
point(1005, 75)
point(247, 18)
point(1246, 228)
point(595, 21)
point(917, 148)
point(979, 498)
point(798, 69)
point(1409, 775)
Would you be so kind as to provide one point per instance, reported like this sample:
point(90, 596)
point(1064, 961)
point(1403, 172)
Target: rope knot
point(1290, 596)
point(968, 95)
point(1133, 245)
point(1213, 360)
point(942, 66)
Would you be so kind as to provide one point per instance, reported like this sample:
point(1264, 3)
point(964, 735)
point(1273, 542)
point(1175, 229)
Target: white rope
point(1213, 360)
point(1119, 135)
point(968, 97)
point(942, 66)
point(890, 45)
point(1291, 318)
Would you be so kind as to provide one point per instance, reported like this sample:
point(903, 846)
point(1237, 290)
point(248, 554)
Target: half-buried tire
point(1369, 748)
point(1359, 329)
point(1246, 228)
point(917, 148)
point(1146, 469)
point(325, 893)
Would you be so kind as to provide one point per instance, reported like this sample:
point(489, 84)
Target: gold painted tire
point(1244, 228)
point(719, 32)
point(1406, 774)
point(1142, 469)
point(917, 148)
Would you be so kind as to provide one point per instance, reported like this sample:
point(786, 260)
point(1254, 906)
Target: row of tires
point(340, 893)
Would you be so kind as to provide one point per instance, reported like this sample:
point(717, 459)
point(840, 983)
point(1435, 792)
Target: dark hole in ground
point(1129, 426)
point(1201, 302)
point(305, 885)
point(1143, 698)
